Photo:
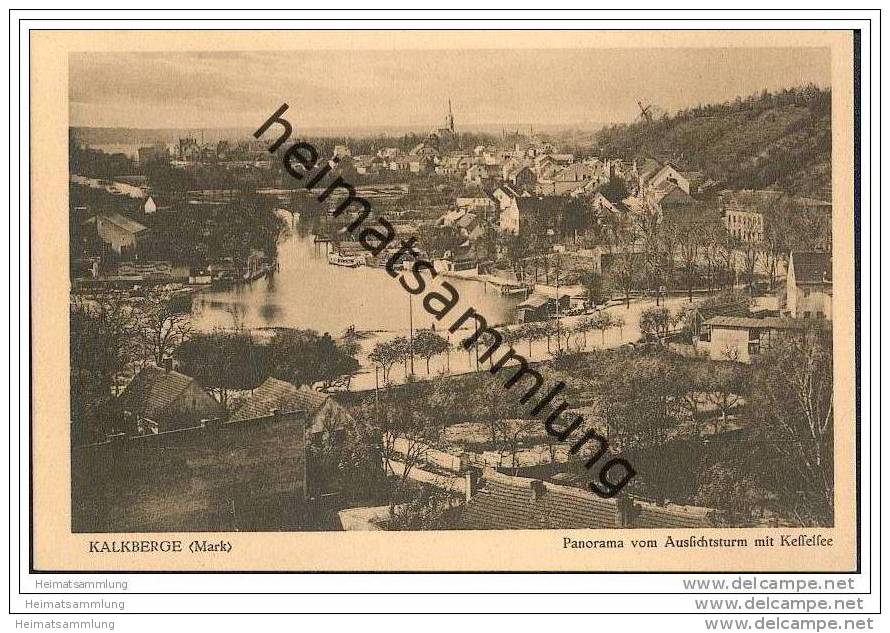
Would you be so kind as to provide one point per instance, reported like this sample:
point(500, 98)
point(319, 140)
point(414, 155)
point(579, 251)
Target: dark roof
point(736, 309)
point(281, 395)
point(153, 390)
point(131, 226)
point(466, 220)
point(767, 323)
point(810, 268)
point(672, 195)
point(546, 205)
point(535, 300)
point(507, 503)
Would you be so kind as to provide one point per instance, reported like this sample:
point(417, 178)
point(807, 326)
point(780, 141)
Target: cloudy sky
point(410, 88)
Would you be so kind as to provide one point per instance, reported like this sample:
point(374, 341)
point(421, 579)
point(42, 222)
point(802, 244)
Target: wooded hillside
point(778, 140)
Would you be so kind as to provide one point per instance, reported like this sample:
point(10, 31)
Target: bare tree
point(511, 432)
point(794, 402)
point(161, 328)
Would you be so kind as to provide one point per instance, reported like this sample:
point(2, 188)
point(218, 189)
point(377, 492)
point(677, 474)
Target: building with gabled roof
point(159, 400)
point(120, 233)
point(809, 287)
point(742, 339)
point(324, 413)
point(279, 395)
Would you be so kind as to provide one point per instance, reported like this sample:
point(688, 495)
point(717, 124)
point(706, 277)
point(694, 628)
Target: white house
point(808, 288)
point(742, 339)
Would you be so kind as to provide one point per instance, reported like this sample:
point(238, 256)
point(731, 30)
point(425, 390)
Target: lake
point(307, 292)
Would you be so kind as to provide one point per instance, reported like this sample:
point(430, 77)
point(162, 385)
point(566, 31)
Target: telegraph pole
point(411, 331)
point(558, 340)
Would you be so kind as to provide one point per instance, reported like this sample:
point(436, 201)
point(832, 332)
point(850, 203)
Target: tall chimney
point(538, 489)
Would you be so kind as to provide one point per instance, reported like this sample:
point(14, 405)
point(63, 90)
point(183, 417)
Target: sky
point(411, 88)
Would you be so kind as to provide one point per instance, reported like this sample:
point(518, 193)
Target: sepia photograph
point(583, 288)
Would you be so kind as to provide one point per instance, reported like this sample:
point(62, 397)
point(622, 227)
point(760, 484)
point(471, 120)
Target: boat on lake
point(349, 261)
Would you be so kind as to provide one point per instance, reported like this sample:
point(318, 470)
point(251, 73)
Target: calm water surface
point(308, 292)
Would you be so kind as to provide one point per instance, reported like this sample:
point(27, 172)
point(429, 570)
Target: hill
point(779, 140)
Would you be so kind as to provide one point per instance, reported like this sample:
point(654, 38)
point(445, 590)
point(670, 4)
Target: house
point(688, 181)
point(669, 196)
point(539, 307)
point(543, 163)
point(700, 314)
point(808, 287)
point(500, 502)
point(505, 193)
point(421, 165)
point(150, 206)
point(522, 177)
point(744, 225)
point(483, 205)
point(476, 175)
point(742, 339)
point(121, 233)
point(389, 152)
point(466, 223)
point(643, 171)
point(424, 150)
point(158, 400)
point(152, 153)
point(527, 214)
point(323, 413)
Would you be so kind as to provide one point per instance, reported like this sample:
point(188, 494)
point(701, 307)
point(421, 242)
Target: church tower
point(449, 122)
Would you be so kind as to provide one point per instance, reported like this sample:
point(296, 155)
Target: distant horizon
point(370, 131)
point(411, 90)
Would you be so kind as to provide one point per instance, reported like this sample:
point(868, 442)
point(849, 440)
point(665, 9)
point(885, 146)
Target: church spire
point(450, 121)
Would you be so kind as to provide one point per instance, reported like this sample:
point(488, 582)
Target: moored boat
point(349, 261)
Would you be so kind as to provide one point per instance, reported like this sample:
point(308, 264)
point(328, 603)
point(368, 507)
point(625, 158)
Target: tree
point(615, 190)
point(161, 328)
point(732, 487)
point(511, 433)
point(532, 332)
point(649, 226)
point(429, 343)
point(725, 384)
point(422, 508)
point(750, 251)
point(641, 401)
point(222, 360)
point(102, 337)
point(346, 458)
point(582, 327)
point(655, 322)
point(793, 402)
point(401, 349)
point(303, 357)
point(384, 356)
point(618, 322)
point(594, 284)
point(407, 434)
point(602, 321)
point(623, 272)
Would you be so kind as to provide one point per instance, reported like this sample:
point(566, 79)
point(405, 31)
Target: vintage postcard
point(443, 301)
